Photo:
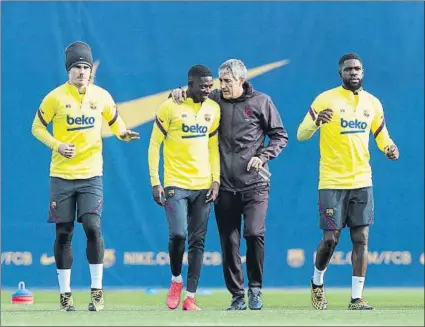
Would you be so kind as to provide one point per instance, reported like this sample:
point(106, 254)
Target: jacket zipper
point(233, 147)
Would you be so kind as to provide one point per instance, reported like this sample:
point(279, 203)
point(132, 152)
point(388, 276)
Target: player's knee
point(331, 239)
point(64, 233)
point(360, 241)
point(330, 243)
point(359, 236)
point(92, 226)
point(177, 232)
point(178, 235)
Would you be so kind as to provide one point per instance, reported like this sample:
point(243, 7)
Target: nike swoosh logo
point(142, 110)
point(45, 260)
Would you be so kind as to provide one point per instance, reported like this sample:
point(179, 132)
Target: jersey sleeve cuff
point(155, 181)
point(56, 146)
point(312, 125)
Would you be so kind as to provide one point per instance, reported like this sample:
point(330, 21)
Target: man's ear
point(93, 71)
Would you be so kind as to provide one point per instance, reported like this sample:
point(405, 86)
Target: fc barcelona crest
point(248, 112)
point(93, 105)
point(329, 212)
point(207, 117)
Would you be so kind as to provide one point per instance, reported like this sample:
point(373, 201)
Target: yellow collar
point(346, 92)
point(74, 90)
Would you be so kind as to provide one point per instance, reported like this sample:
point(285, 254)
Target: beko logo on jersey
point(197, 130)
point(83, 122)
point(356, 126)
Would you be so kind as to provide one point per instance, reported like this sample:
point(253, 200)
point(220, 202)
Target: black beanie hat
point(78, 53)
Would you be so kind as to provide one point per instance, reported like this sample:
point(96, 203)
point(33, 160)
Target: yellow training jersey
point(344, 141)
point(189, 132)
point(77, 119)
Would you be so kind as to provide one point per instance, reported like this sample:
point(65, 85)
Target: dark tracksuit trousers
point(187, 215)
point(229, 209)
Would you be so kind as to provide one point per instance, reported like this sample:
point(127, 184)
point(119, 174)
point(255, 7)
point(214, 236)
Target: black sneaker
point(67, 302)
point(238, 303)
point(359, 304)
point(97, 302)
point(254, 299)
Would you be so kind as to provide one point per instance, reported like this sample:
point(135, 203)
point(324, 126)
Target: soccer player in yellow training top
point(191, 177)
point(76, 109)
point(345, 116)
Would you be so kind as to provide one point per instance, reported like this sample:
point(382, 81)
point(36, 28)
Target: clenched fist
point(325, 116)
point(67, 150)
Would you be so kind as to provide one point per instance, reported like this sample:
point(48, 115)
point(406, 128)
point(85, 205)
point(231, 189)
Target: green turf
point(401, 307)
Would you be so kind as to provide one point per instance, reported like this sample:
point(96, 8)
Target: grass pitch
point(402, 307)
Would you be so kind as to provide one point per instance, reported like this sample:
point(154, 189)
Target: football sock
point(96, 273)
point(64, 278)
point(318, 276)
point(177, 279)
point(189, 294)
point(357, 284)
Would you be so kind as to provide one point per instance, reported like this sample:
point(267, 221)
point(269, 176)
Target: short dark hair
point(199, 71)
point(349, 56)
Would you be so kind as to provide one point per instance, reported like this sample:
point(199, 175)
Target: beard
point(352, 86)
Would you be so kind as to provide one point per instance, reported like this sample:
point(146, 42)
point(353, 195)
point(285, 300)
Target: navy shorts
point(341, 208)
point(71, 199)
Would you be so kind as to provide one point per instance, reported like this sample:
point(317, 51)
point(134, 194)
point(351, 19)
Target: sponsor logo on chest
point(80, 122)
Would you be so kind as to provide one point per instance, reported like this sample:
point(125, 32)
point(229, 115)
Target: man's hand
point(255, 163)
point(129, 136)
point(67, 150)
point(158, 195)
point(212, 192)
point(391, 152)
point(178, 95)
point(325, 116)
